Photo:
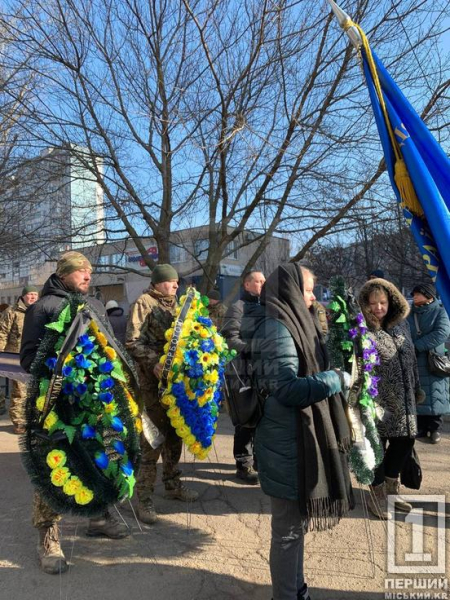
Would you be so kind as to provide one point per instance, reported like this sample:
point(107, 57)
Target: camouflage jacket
point(150, 317)
point(11, 327)
point(217, 314)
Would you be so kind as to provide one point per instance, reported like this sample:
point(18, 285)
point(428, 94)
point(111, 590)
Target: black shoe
point(249, 475)
point(303, 594)
point(435, 437)
point(421, 434)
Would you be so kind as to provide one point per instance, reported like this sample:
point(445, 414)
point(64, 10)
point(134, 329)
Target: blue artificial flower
point(205, 321)
point(195, 372)
point(82, 362)
point(178, 389)
point(119, 447)
point(106, 367)
point(68, 388)
point(83, 339)
point(207, 345)
point(67, 371)
point(101, 460)
point(81, 389)
point(127, 469)
point(107, 383)
point(88, 348)
point(87, 432)
point(117, 424)
point(191, 356)
point(51, 363)
point(106, 397)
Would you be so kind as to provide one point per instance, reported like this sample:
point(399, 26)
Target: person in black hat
point(217, 310)
point(430, 329)
point(376, 274)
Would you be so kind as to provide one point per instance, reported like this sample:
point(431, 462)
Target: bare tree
point(250, 116)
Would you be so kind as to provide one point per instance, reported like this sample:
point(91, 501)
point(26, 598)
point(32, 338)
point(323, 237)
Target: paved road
point(215, 549)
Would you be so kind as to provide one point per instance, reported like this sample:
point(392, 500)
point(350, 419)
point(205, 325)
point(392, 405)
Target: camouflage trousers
point(17, 403)
point(43, 515)
point(170, 451)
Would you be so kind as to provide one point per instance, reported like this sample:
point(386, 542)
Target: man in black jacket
point(243, 436)
point(73, 275)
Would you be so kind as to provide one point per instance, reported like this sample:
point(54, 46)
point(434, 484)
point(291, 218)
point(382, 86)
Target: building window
point(176, 254)
point(232, 250)
point(201, 248)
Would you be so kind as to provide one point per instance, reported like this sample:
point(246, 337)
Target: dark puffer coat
point(399, 376)
point(43, 312)
point(435, 329)
point(275, 359)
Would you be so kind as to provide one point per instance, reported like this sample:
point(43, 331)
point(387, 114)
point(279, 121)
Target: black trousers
point(429, 422)
point(243, 447)
point(396, 451)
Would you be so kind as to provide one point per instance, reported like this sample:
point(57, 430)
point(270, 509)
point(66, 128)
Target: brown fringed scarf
point(325, 492)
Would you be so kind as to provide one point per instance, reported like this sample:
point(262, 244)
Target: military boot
point(180, 492)
point(50, 554)
point(378, 502)
point(393, 488)
point(107, 526)
point(146, 512)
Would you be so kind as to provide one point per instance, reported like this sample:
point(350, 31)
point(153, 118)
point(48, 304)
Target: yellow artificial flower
point(218, 341)
point(205, 359)
point(190, 394)
point(168, 400)
point(173, 412)
point(177, 361)
point(94, 327)
point(138, 424)
point(211, 377)
point(204, 333)
point(213, 328)
point(163, 359)
point(83, 496)
point(189, 440)
point(56, 458)
point(59, 476)
point(102, 339)
point(166, 347)
point(134, 408)
point(40, 402)
point(72, 486)
point(203, 454)
point(169, 333)
point(195, 448)
point(50, 420)
point(110, 353)
point(177, 422)
point(183, 431)
point(110, 408)
point(214, 358)
point(68, 358)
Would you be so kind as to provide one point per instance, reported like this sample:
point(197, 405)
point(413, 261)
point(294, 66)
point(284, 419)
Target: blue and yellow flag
point(418, 168)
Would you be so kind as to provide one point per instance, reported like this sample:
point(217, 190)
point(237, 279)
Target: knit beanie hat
point(426, 289)
point(378, 273)
point(214, 295)
point(29, 289)
point(163, 273)
point(70, 262)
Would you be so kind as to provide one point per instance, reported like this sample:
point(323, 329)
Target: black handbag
point(411, 474)
point(438, 364)
point(245, 400)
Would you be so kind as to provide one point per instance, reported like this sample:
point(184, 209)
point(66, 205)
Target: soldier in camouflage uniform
point(150, 317)
point(11, 327)
point(217, 310)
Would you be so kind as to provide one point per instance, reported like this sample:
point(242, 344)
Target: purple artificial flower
point(51, 363)
point(106, 397)
point(101, 460)
point(117, 424)
point(362, 329)
point(352, 333)
point(367, 354)
point(87, 432)
point(368, 367)
point(373, 390)
point(360, 318)
point(106, 367)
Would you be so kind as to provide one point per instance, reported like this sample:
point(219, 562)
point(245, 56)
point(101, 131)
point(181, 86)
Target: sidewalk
point(215, 549)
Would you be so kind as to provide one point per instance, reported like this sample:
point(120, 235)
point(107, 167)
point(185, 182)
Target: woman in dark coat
point(385, 311)
point(301, 440)
point(430, 329)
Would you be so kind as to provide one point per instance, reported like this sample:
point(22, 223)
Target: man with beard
point(73, 275)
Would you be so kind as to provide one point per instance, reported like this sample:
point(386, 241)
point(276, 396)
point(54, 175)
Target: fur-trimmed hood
point(398, 306)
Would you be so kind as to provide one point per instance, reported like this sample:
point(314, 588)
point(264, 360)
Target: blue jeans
point(287, 549)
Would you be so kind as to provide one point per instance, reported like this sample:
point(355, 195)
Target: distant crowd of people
point(298, 450)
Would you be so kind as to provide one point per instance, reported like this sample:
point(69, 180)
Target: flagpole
point(346, 23)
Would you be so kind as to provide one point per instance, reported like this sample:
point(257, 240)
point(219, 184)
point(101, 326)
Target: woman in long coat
point(430, 329)
point(385, 311)
point(302, 438)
